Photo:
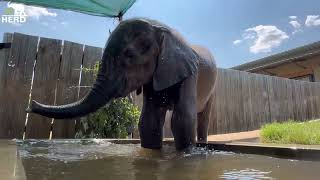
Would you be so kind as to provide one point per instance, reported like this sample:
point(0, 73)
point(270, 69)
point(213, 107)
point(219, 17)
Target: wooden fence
point(246, 101)
point(57, 66)
point(243, 101)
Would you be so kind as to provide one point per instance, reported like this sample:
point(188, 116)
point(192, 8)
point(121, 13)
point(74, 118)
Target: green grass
point(307, 133)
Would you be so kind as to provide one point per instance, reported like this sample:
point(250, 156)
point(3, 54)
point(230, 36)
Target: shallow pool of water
point(98, 159)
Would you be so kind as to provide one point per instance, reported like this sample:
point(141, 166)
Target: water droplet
point(11, 64)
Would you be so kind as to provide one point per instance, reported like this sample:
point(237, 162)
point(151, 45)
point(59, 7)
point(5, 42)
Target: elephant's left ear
point(176, 62)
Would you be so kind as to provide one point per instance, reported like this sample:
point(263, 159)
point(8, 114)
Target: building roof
point(299, 53)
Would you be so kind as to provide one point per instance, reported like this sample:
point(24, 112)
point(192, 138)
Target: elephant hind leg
point(203, 122)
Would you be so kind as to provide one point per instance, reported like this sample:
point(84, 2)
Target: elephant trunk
point(104, 89)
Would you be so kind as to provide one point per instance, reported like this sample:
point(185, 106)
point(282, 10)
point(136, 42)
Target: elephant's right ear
point(176, 61)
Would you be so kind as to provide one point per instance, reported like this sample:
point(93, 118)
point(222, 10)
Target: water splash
point(72, 150)
point(11, 64)
point(84, 149)
point(204, 151)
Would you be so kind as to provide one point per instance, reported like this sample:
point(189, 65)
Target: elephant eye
point(144, 46)
point(129, 53)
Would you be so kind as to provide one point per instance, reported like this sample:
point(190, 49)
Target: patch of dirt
point(240, 136)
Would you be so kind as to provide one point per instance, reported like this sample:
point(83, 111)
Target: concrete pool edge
point(295, 152)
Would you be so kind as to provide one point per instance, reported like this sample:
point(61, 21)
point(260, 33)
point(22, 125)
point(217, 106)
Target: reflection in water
point(98, 159)
point(10, 165)
point(245, 174)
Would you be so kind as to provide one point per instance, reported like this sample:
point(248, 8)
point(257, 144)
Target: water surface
point(98, 159)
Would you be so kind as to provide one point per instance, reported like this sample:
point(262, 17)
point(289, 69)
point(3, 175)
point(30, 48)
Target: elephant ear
point(176, 62)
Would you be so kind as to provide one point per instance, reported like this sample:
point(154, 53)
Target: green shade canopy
point(108, 8)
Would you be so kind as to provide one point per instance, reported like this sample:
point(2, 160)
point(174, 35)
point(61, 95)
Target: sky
point(235, 31)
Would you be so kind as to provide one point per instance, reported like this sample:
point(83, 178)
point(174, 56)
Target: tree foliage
point(114, 120)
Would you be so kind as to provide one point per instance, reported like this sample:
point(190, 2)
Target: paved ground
point(235, 136)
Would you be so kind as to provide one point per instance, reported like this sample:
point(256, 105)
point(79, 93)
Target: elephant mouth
point(127, 88)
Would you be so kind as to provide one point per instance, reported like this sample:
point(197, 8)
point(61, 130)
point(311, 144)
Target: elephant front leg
point(151, 124)
point(183, 123)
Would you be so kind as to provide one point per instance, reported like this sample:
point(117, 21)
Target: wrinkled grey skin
point(145, 54)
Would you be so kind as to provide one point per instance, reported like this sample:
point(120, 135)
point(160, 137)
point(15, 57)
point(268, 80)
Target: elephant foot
point(151, 145)
point(181, 146)
point(202, 140)
point(150, 139)
point(187, 150)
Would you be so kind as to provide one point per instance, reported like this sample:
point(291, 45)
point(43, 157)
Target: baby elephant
point(143, 54)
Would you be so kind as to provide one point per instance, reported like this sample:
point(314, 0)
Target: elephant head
point(138, 51)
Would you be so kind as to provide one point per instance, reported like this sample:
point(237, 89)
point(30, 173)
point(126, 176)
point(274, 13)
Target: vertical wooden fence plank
point(278, 95)
point(316, 93)
point(19, 74)
point(311, 99)
point(45, 79)
point(230, 117)
point(68, 84)
point(271, 98)
point(316, 100)
point(223, 116)
point(18, 79)
point(248, 85)
point(303, 101)
point(4, 58)
point(213, 128)
point(308, 98)
point(259, 101)
point(239, 114)
point(283, 101)
point(265, 100)
point(295, 107)
point(91, 56)
point(213, 116)
point(289, 89)
point(266, 95)
point(255, 104)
